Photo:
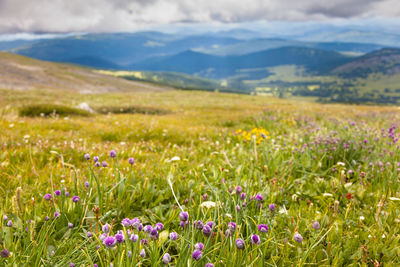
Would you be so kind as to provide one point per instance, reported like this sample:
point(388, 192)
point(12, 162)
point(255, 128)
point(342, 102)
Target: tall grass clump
point(48, 110)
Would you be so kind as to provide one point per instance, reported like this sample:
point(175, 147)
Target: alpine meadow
point(221, 133)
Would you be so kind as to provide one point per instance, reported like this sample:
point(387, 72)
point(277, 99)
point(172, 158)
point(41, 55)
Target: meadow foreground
point(198, 179)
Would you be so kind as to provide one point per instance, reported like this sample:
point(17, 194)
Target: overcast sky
point(130, 15)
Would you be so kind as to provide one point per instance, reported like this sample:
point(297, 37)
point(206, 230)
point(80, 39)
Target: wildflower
point(66, 193)
point(57, 193)
point(102, 237)
point(70, 225)
point(5, 218)
point(126, 222)
point(87, 184)
point(71, 264)
point(209, 265)
point(316, 225)
point(135, 222)
point(199, 246)
point(89, 234)
point(142, 253)
point(113, 154)
point(134, 238)
point(47, 197)
point(205, 196)
point(272, 207)
point(5, 253)
point(231, 226)
point(56, 214)
point(207, 230)
point(75, 199)
point(131, 161)
point(183, 224)
point(154, 234)
point(46, 218)
point(262, 228)
point(239, 243)
point(173, 236)
point(148, 229)
point(298, 238)
point(97, 164)
point(242, 196)
point(120, 237)
point(238, 189)
point(159, 226)
point(95, 158)
point(104, 164)
point(166, 258)
point(144, 242)
point(237, 208)
point(259, 197)
point(228, 233)
point(106, 228)
point(9, 223)
point(184, 216)
point(199, 224)
point(87, 156)
point(255, 240)
point(197, 254)
point(211, 224)
point(110, 241)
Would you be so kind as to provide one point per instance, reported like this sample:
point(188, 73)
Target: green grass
point(302, 166)
point(46, 110)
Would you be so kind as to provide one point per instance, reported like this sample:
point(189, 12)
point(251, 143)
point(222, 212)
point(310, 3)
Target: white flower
point(208, 204)
point(362, 218)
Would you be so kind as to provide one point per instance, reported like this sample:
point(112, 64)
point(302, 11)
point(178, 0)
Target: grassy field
point(284, 183)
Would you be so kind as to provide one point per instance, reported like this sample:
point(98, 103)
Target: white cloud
point(126, 15)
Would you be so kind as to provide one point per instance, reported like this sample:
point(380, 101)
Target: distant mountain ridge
point(385, 61)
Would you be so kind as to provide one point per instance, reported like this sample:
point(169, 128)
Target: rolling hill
point(190, 62)
point(22, 73)
point(384, 61)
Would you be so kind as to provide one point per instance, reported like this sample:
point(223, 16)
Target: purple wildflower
point(87, 156)
point(298, 238)
point(316, 225)
point(144, 242)
point(56, 214)
point(5, 253)
point(89, 234)
point(166, 258)
point(199, 246)
point(209, 265)
point(259, 197)
point(134, 238)
point(70, 225)
point(120, 237)
point(238, 189)
point(199, 224)
point(159, 226)
point(142, 253)
point(173, 236)
point(207, 230)
point(95, 158)
point(126, 222)
point(75, 199)
point(46, 218)
point(197, 254)
point(184, 216)
point(242, 196)
point(47, 197)
point(231, 226)
point(262, 228)
point(5, 218)
point(97, 164)
point(255, 240)
point(9, 223)
point(106, 228)
point(131, 161)
point(104, 164)
point(272, 207)
point(211, 224)
point(87, 184)
point(113, 154)
point(71, 264)
point(148, 228)
point(239, 243)
point(57, 193)
point(110, 241)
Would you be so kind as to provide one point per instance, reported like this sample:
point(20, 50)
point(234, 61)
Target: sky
point(64, 16)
